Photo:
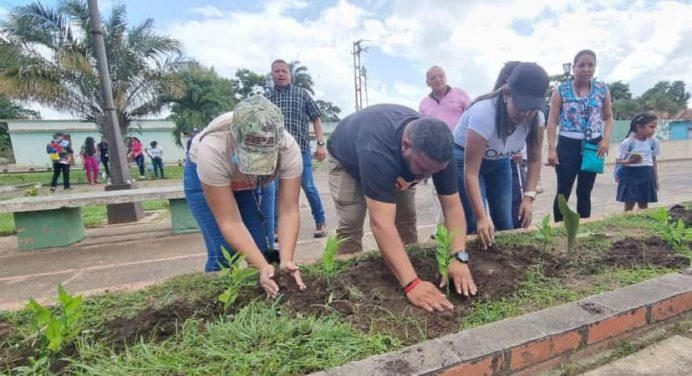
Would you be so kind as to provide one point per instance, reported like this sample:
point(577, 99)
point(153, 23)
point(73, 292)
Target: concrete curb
point(540, 340)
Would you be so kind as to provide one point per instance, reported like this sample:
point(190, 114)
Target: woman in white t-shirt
point(229, 187)
point(488, 135)
point(636, 163)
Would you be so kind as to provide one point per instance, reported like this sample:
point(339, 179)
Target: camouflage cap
point(258, 129)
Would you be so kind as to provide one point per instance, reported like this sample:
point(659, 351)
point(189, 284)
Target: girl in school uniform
point(636, 163)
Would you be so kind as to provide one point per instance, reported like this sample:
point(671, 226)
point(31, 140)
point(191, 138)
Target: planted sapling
point(545, 232)
point(571, 221)
point(57, 326)
point(237, 276)
point(444, 244)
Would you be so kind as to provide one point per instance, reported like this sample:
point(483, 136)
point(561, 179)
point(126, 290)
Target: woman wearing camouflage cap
point(229, 187)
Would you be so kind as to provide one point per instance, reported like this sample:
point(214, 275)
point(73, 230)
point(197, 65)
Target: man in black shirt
point(376, 156)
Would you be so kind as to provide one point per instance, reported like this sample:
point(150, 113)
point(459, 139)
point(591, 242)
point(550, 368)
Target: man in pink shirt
point(443, 103)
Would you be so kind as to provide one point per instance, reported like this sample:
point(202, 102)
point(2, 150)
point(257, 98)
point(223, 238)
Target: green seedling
point(678, 235)
point(661, 216)
point(32, 191)
point(237, 276)
point(57, 326)
point(329, 256)
point(545, 232)
point(444, 244)
point(675, 233)
point(571, 222)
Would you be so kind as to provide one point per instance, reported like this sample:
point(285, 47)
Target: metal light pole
point(566, 68)
point(120, 176)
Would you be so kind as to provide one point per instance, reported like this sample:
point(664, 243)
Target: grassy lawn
point(94, 216)
point(260, 336)
point(77, 176)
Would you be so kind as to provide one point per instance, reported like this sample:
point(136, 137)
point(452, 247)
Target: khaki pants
point(349, 202)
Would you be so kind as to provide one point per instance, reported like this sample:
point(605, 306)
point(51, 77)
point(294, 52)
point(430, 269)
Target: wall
point(678, 129)
point(29, 138)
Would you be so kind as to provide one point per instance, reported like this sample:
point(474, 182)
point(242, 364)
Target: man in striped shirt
point(299, 109)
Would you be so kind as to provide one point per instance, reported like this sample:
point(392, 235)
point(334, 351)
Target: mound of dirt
point(678, 212)
point(638, 253)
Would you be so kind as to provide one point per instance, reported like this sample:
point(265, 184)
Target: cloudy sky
point(640, 42)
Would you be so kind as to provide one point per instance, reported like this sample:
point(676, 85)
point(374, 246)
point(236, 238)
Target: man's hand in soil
point(292, 269)
point(428, 297)
point(463, 280)
point(267, 282)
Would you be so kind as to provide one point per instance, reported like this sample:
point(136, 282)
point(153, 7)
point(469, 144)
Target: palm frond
point(36, 23)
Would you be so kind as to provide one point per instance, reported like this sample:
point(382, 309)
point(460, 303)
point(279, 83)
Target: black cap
point(527, 86)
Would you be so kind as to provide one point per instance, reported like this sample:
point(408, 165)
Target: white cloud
point(640, 43)
point(209, 11)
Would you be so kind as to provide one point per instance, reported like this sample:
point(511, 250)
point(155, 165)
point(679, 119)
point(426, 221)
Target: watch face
point(462, 256)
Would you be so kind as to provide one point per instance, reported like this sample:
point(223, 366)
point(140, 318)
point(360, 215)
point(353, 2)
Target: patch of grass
point(535, 292)
point(260, 339)
point(94, 216)
point(538, 292)
point(519, 239)
point(610, 279)
point(7, 224)
point(77, 175)
point(624, 225)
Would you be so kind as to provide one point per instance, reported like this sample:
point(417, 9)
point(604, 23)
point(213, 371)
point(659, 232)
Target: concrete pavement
point(670, 357)
point(135, 255)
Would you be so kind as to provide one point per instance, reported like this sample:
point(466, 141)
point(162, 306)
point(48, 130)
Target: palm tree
point(206, 96)
point(300, 76)
point(47, 56)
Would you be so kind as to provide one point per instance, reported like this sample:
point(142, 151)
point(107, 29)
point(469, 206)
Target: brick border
point(538, 340)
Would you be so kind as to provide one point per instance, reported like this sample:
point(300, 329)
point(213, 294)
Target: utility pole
point(358, 73)
point(120, 176)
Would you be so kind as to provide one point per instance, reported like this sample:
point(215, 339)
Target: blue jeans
point(247, 203)
point(310, 190)
point(495, 180)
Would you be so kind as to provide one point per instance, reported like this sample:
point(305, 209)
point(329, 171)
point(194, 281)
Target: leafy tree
point(300, 76)
point(619, 90)
point(330, 111)
point(9, 110)
point(48, 57)
point(625, 109)
point(665, 98)
point(246, 83)
point(206, 95)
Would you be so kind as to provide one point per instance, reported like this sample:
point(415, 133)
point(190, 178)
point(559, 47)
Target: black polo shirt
point(368, 145)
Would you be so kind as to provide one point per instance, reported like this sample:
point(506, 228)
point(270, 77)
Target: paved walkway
point(670, 357)
point(135, 255)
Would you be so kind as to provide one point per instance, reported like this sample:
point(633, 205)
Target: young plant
point(329, 256)
point(661, 216)
point(237, 276)
point(675, 233)
point(571, 221)
point(32, 191)
point(444, 244)
point(58, 326)
point(678, 235)
point(545, 232)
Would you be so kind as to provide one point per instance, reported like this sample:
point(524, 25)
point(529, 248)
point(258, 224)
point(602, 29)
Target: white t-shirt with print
point(480, 118)
point(648, 149)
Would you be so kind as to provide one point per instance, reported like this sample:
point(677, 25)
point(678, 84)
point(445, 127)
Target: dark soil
point(680, 212)
point(367, 295)
point(638, 253)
